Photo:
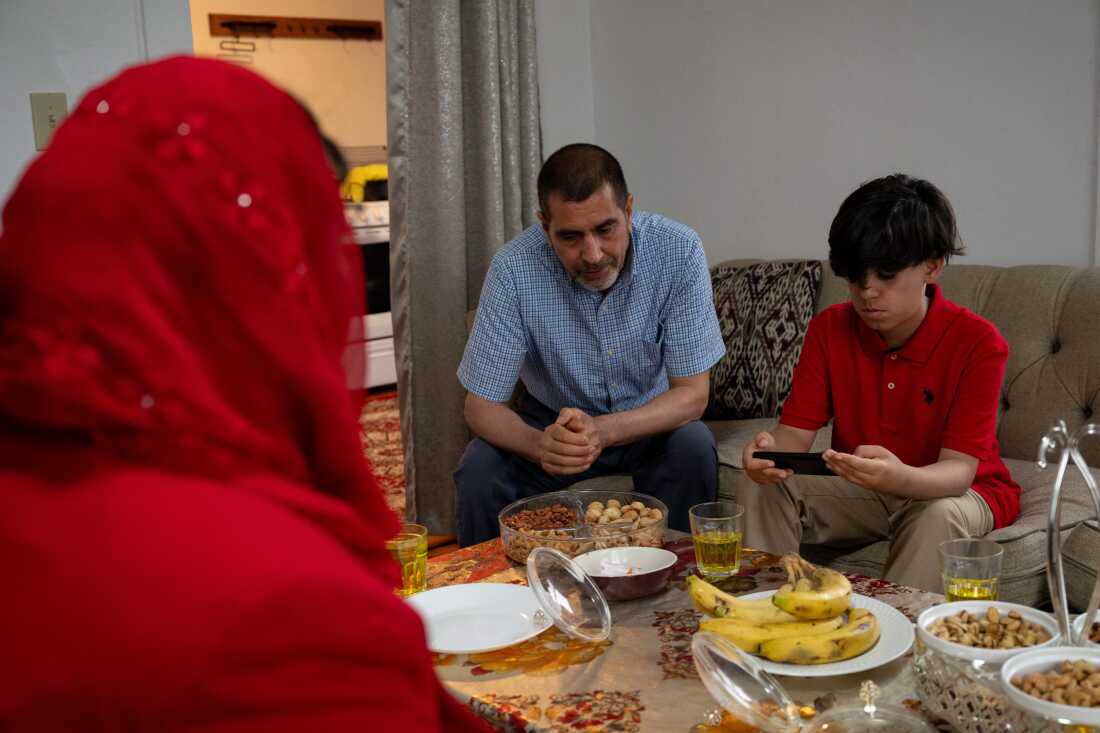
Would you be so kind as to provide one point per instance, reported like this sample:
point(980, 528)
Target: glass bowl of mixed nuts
point(578, 521)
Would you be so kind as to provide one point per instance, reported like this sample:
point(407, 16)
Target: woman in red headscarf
point(190, 538)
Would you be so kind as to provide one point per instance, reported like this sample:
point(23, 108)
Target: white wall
point(167, 26)
point(751, 120)
point(564, 40)
point(342, 82)
point(69, 46)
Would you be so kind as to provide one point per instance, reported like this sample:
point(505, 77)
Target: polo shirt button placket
point(890, 385)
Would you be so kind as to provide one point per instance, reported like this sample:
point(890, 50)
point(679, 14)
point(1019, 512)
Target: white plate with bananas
point(814, 626)
point(896, 634)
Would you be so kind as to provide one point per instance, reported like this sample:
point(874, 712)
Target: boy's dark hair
point(577, 171)
point(889, 224)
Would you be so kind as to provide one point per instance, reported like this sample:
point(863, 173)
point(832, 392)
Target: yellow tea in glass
point(716, 531)
point(410, 550)
point(718, 554)
point(970, 589)
point(971, 569)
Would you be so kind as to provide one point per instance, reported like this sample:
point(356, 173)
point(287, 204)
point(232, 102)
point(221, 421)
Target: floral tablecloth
point(642, 678)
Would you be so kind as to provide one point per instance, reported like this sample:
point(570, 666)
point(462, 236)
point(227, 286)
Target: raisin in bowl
point(578, 521)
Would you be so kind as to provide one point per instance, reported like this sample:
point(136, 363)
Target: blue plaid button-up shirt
point(600, 352)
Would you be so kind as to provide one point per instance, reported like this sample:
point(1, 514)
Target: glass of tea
point(716, 530)
point(409, 548)
point(971, 569)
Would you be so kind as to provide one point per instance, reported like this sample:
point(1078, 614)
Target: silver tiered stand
point(968, 694)
point(1059, 437)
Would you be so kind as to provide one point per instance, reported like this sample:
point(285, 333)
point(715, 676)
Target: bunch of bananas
point(807, 621)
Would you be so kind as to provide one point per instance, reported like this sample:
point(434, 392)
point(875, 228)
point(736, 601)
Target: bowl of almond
point(1061, 684)
point(985, 631)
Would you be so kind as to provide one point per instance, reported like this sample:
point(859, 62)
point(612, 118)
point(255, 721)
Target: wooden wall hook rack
point(271, 26)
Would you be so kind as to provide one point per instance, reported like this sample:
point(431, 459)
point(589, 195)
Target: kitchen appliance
point(370, 227)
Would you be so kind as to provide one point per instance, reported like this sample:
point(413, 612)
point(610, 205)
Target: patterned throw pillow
point(763, 310)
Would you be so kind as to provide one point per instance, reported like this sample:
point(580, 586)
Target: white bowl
point(1078, 624)
point(979, 608)
point(1042, 660)
point(626, 573)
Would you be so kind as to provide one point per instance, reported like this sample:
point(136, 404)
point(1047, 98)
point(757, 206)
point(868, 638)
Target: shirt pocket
point(649, 355)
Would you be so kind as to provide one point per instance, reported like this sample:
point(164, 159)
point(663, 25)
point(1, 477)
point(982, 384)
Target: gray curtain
point(464, 157)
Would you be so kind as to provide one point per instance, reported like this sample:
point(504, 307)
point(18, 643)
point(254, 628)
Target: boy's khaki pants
point(827, 510)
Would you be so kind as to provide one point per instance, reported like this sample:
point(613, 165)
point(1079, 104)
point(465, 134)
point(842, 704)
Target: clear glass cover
point(748, 692)
point(852, 718)
point(568, 595)
point(741, 686)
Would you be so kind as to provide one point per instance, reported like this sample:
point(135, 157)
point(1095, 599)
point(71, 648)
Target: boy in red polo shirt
point(911, 382)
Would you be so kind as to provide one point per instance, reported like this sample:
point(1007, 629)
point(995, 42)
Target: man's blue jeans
point(680, 468)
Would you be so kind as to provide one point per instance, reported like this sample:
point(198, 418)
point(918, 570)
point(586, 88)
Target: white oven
point(370, 225)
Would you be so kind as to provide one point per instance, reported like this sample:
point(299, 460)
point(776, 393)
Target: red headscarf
point(175, 287)
point(175, 299)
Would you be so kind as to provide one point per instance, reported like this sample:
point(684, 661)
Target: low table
point(643, 677)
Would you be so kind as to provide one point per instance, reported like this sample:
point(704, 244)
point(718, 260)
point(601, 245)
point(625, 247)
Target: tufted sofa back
point(1050, 316)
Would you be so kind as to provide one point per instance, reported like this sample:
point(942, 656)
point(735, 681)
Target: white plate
point(479, 617)
point(895, 637)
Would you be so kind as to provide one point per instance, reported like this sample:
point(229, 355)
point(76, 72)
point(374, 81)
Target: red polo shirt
point(939, 390)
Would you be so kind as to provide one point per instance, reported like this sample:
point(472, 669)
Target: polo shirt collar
point(941, 312)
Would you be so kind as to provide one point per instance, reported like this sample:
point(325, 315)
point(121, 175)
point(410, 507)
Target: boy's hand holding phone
point(762, 471)
point(870, 466)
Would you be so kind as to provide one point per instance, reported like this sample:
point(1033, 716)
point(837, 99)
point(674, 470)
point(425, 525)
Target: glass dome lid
point(568, 595)
point(747, 691)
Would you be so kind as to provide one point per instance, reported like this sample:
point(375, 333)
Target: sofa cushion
point(1081, 558)
point(1036, 488)
point(763, 310)
point(1023, 575)
point(732, 435)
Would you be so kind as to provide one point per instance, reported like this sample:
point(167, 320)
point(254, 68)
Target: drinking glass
point(971, 569)
point(716, 531)
point(410, 550)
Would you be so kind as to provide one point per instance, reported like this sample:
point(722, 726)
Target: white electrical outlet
point(47, 111)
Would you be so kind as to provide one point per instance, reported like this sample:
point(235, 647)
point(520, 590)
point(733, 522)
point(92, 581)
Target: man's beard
point(611, 274)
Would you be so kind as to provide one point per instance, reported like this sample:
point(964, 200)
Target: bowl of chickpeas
point(582, 520)
point(1061, 683)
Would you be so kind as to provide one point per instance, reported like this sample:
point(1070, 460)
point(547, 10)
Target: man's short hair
point(890, 224)
point(577, 171)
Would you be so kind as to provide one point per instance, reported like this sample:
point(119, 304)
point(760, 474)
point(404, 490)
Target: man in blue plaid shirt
point(608, 318)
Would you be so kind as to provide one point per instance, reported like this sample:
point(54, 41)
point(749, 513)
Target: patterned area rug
point(380, 430)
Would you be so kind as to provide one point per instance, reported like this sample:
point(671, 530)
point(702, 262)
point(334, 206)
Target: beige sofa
point(1050, 316)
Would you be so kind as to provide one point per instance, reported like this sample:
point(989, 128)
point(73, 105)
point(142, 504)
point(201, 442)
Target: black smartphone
point(807, 464)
